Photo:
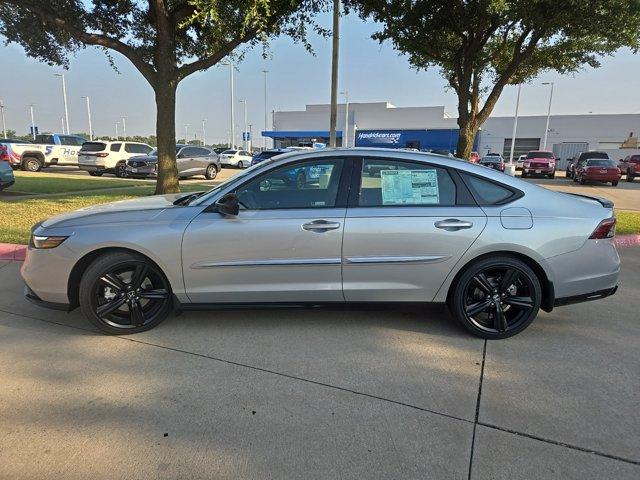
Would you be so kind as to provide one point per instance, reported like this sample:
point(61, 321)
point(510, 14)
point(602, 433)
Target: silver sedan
point(332, 227)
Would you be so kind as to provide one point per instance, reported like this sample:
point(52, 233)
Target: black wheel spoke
point(499, 320)
point(112, 280)
point(509, 278)
point(155, 294)
point(476, 308)
point(519, 302)
point(139, 275)
point(481, 281)
point(110, 306)
point(137, 314)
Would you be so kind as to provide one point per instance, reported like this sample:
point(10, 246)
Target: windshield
point(226, 182)
point(584, 156)
point(93, 147)
point(601, 163)
point(540, 155)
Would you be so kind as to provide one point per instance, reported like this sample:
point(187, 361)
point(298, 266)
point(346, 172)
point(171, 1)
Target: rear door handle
point(453, 224)
point(320, 226)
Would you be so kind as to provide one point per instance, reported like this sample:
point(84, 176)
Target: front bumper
point(36, 300)
point(538, 171)
point(141, 172)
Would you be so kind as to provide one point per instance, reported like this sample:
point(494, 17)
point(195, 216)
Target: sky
point(370, 72)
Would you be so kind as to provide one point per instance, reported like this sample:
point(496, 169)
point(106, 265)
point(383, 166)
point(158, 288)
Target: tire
point(211, 172)
point(123, 293)
point(241, 164)
point(121, 169)
point(524, 175)
point(31, 164)
point(614, 184)
point(483, 285)
point(552, 175)
point(95, 174)
point(582, 181)
point(630, 176)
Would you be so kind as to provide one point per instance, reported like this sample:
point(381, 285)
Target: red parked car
point(597, 170)
point(539, 162)
point(474, 157)
point(631, 166)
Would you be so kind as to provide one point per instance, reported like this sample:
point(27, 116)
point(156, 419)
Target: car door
point(201, 160)
point(283, 246)
point(184, 160)
point(407, 225)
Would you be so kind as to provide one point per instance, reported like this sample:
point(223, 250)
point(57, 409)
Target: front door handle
point(320, 226)
point(453, 224)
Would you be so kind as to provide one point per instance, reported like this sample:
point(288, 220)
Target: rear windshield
point(601, 163)
point(230, 152)
point(93, 146)
point(492, 159)
point(539, 155)
point(586, 155)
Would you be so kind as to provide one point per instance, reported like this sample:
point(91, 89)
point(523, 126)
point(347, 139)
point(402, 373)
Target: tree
point(481, 46)
point(166, 40)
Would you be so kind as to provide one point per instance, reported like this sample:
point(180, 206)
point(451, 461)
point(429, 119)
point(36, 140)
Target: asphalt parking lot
point(386, 393)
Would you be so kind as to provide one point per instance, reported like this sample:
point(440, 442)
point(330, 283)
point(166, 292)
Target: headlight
point(39, 241)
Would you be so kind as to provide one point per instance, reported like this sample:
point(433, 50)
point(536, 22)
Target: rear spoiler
point(606, 203)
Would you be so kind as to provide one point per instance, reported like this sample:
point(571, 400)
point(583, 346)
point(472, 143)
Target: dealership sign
point(380, 137)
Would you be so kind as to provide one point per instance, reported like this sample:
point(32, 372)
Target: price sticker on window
point(410, 187)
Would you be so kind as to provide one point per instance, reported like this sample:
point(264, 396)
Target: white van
point(100, 157)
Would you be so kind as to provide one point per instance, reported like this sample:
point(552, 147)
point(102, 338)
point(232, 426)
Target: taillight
point(102, 154)
point(606, 229)
point(3, 153)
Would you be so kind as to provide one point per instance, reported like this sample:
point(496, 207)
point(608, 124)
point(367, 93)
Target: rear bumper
point(92, 168)
point(601, 178)
point(585, 297)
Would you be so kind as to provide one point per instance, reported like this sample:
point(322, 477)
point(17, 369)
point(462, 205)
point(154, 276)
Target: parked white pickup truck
point(47, 149)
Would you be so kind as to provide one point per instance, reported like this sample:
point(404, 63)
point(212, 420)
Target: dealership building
point(382, 124)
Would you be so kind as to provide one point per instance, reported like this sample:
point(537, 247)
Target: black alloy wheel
point(123, 293)
point(121, 170)
point(497, 298)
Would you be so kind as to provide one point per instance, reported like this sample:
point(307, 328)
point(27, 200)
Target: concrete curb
point(16, 253)
point(12, 252)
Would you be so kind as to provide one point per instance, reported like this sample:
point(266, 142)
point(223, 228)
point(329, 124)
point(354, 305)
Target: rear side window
point(203, 152)
point(400, 183)
point(115, 147)
point(93, 146)
point(136, 148)
point(487, 192)
point(44, 139)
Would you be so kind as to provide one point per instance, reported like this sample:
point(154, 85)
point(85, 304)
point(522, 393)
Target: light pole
point(204, 142)
point(64, 98)
point(117, 135)
point(33, 123)
point(124, 128)
point(186, 129)
point(233, 127)
point(345, 133)
point(89, 116)
point(334, 73)
point(4, 126)
point(244, 134)
point(249, 137)
point(265, 105)
point(515, 126)
point(546, 129)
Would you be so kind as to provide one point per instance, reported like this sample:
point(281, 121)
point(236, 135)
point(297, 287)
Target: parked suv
point(631, 167)
point(191, 160)
point(109, 157)
point(539, 162)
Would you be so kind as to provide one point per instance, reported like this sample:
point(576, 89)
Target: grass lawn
point(19, 216)
point(29, 182)
point(628, 222)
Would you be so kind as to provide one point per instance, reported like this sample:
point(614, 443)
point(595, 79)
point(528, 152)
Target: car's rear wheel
point(630, 176)
point(122, 293)
point(31, 164)
point(552, 175)
point(95, 174)
point(121, 170)
point(211, 172)
point(582, 181)
point(496, 297)
point(524, 174)
point(615, 184)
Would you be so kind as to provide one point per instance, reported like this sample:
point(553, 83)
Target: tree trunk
point(467, 134)
point(166, 135)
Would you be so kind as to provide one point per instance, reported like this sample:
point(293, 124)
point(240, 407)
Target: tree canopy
point(481, 46)
point(166, 40)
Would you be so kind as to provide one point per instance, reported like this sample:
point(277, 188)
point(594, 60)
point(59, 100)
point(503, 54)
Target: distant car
point(235, 158)
point(494, 154)
point(597, 170)
point(520, 162)
point(267, 154)
point(47, 149)
point(98, 158)
point(631, 167)
point(191, 161)
point(539, 162)
point(6, 175)
point(581, 158)
point(493, 161)
point(474, 157)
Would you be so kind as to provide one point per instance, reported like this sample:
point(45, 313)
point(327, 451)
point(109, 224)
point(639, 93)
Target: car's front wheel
point(496, 297)
point(122, 293)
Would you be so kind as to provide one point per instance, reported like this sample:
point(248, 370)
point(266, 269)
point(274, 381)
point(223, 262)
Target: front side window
point(312, 184)
point(401, 183)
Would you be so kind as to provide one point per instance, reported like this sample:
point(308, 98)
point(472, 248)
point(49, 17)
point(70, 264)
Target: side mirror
point(228, 205)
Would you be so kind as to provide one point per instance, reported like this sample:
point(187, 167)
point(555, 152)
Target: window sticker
point(410, 187)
